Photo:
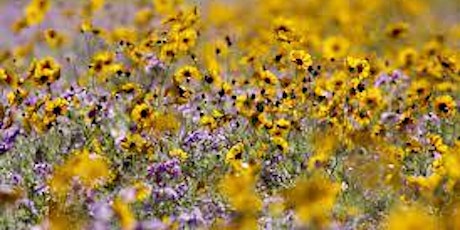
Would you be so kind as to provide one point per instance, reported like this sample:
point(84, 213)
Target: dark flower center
point(443, 107)
point(57, 110)
point(299, 61)
point(144, 113)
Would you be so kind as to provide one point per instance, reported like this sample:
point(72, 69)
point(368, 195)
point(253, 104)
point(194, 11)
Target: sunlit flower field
point(232, 114)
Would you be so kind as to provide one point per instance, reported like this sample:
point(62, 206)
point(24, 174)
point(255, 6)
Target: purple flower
point(194, 218)
point(42, 169)
point(163, 170)
point(382, 79)
point(151, 225)
point(162, 194)
point(153, 63)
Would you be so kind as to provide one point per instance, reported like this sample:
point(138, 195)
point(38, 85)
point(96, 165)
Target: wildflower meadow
point(229, 114)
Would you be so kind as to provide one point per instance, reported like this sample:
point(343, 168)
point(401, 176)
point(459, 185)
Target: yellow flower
point(103, 65)
point(165, 122)
point(142, 191)
point(125, 34)
point(143, 17)
point(45, 71)
point(324, 146)
point(240, 192)
point(8, 78)
point(36, 10)
point(397, 30)
point(284, 30)
point(419, 89)
point(56, 107)
point(17, 96)
point(425, 183)
point(180, 93)
point(208, 121)
point(186, 73)
point(53, 38)
point(235, 153)
point(129, 88)
point(168, 52)
point(281, 144)
point(177, 152)
point(97, 4)
point(133, 143)
point(124, 214)
point(358, 66)
point(166, 7)
point(335, 47)
point(91, 7)
point(265, 121)
point(437, 141)
point(371, 98)
point(407, 57)
point(452, 163)
point(186, 39)
point(411, 217)
point(445, 106)
point(91, 171)
point(244, 105)
point(301, 59)
point(268, 78)
point(313, 198)
point(283, 124)
point(142, 114)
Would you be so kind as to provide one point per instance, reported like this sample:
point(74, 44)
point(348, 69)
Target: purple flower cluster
point(160, 172)
point(8, 139)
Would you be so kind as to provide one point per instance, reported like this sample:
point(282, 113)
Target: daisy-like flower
point(235, 153)
point(301, 59)
point(445, 106)
point(45, 71)
point(91, 170)
point(56, 107)
point(186, 73)
point(358, 66)
point(313, 198)
point(371, 98)
point(8, 78)
point(142, 114)
point(397, 30)
point(53, 38)
point(281, 144)
point(335, 47)
point(133, 143)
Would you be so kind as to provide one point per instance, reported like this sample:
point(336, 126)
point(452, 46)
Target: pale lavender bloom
point(395, 76)
point(398, 75)
point(382, 79)
point(151, 225)
point(192, 219)
point(389, 117)
point(153, 63)
point(162, 194)
point(101, 211)
point(16, 179)
point(431, 118)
